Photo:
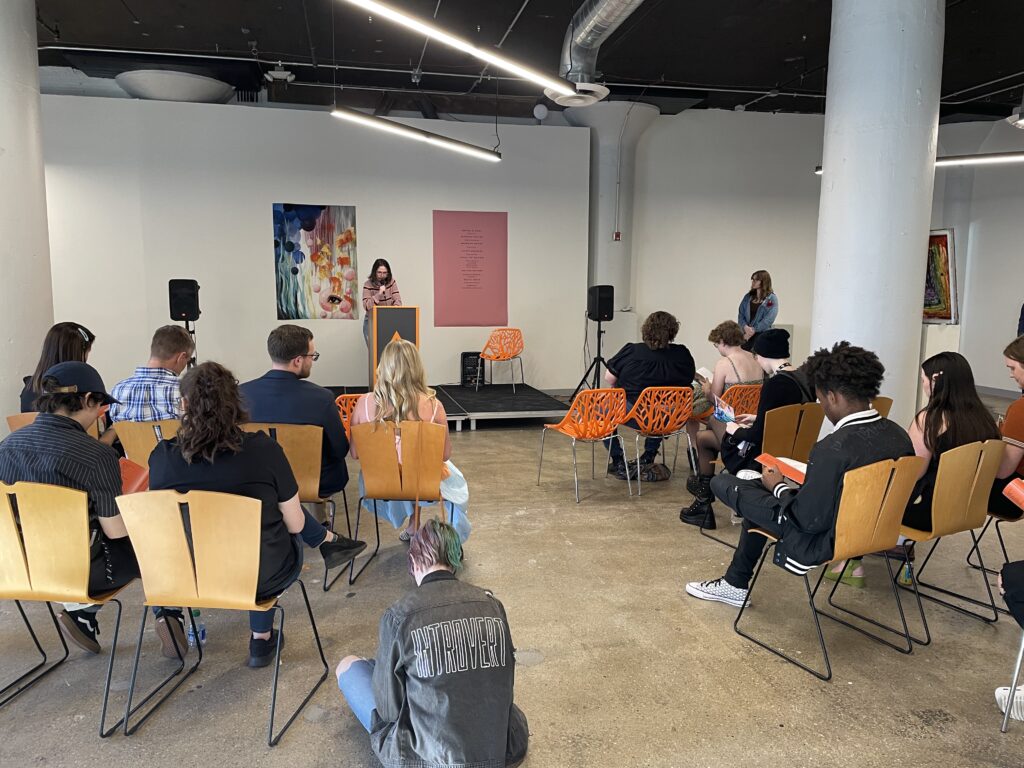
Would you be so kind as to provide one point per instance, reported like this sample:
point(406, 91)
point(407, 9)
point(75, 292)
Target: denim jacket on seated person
point(765, 316)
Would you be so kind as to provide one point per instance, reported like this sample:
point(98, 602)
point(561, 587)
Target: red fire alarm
point(616, 236)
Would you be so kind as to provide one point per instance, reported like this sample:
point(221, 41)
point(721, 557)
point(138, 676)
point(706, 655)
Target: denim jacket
point(443, 681)
point(765, 316)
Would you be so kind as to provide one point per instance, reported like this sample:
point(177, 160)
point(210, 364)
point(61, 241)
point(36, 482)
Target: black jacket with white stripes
point(808, 515)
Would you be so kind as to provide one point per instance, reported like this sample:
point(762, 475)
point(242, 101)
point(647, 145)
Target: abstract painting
point(315, 262)
point(940, 299)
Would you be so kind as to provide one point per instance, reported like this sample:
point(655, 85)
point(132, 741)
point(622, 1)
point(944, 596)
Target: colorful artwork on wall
point(315, 262)
point(940, 298)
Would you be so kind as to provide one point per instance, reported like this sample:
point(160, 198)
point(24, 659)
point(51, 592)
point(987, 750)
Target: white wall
point(141, 192)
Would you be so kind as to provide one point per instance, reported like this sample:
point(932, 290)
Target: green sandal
point(847, 576)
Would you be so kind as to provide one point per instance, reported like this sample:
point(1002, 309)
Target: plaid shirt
point(150, 394)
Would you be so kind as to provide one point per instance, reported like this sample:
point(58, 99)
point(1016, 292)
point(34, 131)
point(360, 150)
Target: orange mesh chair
point(346, 404)
point(659, 412)
point(743, 398)
point(593, 416)
point(504, 344)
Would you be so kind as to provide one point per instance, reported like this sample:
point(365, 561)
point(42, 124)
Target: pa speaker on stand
point(183, 297)
point(600, 308)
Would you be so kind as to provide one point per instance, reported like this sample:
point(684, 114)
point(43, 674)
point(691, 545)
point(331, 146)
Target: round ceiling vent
point(169, 85)
point(586, 94)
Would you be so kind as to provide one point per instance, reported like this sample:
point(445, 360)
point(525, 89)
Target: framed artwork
point(315, 268)
point(940, 297)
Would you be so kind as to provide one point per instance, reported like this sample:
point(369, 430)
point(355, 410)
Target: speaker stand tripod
point(595, 366)
point(190, 327)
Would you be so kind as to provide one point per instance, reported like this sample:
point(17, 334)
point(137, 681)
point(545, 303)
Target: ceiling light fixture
point(992, 158)
point(436, 33)
point(408, 132)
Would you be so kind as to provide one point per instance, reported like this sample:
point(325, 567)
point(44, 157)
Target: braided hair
point(214, 410)
point(853, 372)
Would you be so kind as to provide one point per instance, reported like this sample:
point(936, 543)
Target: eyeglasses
point(315, 356)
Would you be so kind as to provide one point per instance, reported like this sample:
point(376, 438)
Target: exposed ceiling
point(761, 55)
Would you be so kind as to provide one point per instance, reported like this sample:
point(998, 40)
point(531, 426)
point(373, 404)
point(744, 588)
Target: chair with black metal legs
point(206, 575)
point(870, 509)
point(45, 557)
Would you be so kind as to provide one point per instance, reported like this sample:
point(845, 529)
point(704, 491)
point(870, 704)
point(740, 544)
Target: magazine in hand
point(789, 468)
point(1015, 492)
point(723, 411)
point(705, 374)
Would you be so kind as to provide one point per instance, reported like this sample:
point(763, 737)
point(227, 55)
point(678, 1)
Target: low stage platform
point(493, 401)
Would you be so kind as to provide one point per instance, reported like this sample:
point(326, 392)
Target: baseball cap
point(74, 377)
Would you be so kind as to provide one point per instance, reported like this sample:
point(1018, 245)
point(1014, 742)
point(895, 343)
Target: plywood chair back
point(54, 525)
point(219, 570)
point(14, 580)
point(661, 411)
point(872, 504)
point(743, 398)
point(139, 438)
point(503, 344)
point(962, 487)
point(303, 447)
point(346, 405)
point(418, 476)
point(593, 415)
point(792, 430)
point(18, 420)
point(883, 405)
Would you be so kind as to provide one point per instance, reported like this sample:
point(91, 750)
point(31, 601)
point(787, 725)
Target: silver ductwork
point(591, 25)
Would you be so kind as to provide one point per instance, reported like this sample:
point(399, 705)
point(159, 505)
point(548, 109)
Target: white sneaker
point(748, 474)
point(718, 590)
point(1002, 694)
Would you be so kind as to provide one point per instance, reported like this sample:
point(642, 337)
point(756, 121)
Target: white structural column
point(881, 127)
point(26, 294)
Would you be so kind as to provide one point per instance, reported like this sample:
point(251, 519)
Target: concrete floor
point(617, 666)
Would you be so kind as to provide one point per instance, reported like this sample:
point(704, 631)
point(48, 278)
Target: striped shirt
point(372, 297)
point(56, 450)
point(150, 394)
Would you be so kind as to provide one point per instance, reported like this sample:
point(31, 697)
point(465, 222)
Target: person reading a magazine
point(1012, 429)
point(739, 438)
point(846, 379)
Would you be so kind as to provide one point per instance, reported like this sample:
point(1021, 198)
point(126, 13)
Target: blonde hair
point(401, 381)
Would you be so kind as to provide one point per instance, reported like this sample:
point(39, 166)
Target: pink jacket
point(372, 297)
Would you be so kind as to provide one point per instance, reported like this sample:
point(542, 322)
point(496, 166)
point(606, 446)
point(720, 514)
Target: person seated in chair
point(1012, 428)
point(846, 380)
point(152, 392)
point(1011, 587)
point(282, 396)
point(212, 453)
point(440, 692)
point(56, 449)
point(654, 362)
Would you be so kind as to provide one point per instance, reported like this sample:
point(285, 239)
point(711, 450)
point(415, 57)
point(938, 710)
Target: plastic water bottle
point(200, 626)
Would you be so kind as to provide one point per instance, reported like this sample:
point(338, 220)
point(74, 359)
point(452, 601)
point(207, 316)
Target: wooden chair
point(44, 556)
point(18, 420)
point(959, 503)
point(346, 405)
point(871, 507)
point(883, 405)
point(206, 574)
point(593, 416)
point(504, 344)
point(792, 430)
point(417, 478)
point(659, 412)
point(1015, 492)
point(303, 447)
point(139, 438)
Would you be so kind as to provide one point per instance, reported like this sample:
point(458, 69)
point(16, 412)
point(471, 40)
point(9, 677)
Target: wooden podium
point(387, 324)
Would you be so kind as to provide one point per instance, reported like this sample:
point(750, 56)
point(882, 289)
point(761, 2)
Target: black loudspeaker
point(184, 299)
point(600, 302)
point(469, 368)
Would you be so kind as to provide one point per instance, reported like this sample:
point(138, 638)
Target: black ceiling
point(766, 55)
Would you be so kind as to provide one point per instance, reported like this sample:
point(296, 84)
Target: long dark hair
point(766, 284)
point(64, 343)
point(377, 264)
point(954, 408)
point(210, 422)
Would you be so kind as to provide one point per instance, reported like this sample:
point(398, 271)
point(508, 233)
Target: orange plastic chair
point(346, 404)
point(593, 416)
point(659, 412)
point(743, 398)
point(504, 344)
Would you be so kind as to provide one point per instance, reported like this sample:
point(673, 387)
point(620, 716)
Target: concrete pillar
point(881, 128)
point(26, 294)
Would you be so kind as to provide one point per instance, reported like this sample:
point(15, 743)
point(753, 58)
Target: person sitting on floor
point(1012, 429)
point(654, 362)
point(152, 392)
point(212, 453)
point(846, 380)
point(282, 396)
point(401, 393)
point(440, 692)
point(740, 441)
point(56, 449)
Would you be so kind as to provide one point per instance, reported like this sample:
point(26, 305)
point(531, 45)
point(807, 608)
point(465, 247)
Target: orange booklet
point(790, 468)
point(134, 478)
point(1015, 492)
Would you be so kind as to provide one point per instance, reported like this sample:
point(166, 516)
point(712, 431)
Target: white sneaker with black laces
point(719, 591)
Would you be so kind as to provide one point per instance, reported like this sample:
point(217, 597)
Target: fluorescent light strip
point(416, 134)
point(436, 33)
point(992, 158)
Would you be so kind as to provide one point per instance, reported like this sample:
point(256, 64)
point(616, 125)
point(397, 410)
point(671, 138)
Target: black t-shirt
point(259, 471)
point(637, 366)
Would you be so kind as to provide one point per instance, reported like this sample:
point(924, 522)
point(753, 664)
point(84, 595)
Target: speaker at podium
point(387, 324)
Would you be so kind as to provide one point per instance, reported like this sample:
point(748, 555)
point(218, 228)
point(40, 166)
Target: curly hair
point(435, 543)
point(851, 371)
point(209, 423)
point(659, 329)
point(728, 333)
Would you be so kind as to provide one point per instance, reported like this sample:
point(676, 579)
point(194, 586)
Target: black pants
point(1001, 505)
point(759, 509)
point(112, 565)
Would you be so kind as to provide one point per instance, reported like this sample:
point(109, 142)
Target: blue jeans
point(314, 533)
point(356, 685)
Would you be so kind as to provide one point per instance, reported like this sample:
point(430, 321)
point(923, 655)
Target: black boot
point(693, 483)
point(700, 513)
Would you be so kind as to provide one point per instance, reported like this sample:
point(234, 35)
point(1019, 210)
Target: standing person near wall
point(63, 343)
point(379, 290)
point(759, 307)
